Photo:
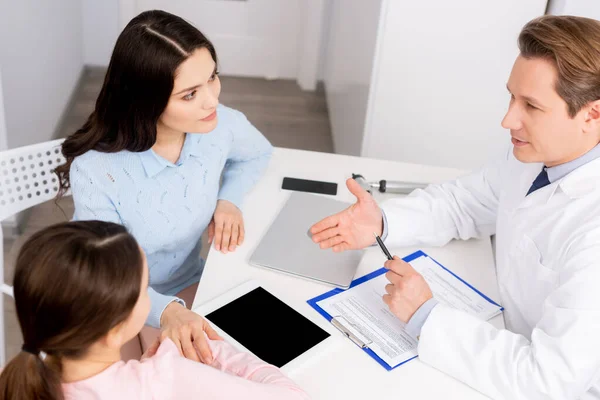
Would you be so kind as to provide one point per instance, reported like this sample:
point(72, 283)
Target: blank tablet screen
point(269, 328)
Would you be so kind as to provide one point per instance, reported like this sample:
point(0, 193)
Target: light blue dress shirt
point(416, 322)
point(167, 206)
point(560, 171)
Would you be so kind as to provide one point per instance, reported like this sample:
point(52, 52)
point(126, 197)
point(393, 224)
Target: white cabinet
point(422, 81)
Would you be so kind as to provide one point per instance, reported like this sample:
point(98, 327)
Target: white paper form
point(362, 308)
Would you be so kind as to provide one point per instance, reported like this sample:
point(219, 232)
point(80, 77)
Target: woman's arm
point(247, 159)
point(248, 154)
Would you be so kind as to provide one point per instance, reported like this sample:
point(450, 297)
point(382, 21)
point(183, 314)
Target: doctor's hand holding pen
point(407, 290)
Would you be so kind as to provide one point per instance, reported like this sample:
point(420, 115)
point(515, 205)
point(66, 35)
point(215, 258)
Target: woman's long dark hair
point(74, 282)
point(137, 87)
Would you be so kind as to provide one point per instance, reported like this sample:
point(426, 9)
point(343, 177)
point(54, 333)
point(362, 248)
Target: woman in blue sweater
point(151, 157)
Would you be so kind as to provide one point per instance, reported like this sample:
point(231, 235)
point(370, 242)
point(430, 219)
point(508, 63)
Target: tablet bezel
point(294, 365)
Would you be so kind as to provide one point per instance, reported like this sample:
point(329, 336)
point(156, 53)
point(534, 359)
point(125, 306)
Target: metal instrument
point(385, 186)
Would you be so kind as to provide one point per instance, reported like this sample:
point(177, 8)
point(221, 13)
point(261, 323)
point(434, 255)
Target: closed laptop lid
point(288, 247)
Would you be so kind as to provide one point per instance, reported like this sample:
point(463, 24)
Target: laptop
point(288, 247)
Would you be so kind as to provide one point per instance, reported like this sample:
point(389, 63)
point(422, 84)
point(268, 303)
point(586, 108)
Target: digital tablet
point(254, 320)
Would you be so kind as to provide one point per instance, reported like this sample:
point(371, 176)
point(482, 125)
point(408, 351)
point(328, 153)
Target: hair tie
point(29, 349)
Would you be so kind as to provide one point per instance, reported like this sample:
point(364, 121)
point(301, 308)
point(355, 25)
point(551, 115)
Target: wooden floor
point(286, 115)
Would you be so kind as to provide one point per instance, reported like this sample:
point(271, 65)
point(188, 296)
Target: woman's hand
point(187, 330)
point(151, 351)
point(226, 228)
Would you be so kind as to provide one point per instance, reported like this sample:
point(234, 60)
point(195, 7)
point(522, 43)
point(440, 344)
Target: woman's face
point(193, 103)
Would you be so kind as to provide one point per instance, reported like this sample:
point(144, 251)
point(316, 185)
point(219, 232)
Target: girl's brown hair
point(572, 44)
point(73, 283)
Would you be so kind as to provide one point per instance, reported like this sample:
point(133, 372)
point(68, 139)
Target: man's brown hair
point(572, 44)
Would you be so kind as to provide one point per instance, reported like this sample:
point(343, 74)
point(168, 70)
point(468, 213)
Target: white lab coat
point(548, 267)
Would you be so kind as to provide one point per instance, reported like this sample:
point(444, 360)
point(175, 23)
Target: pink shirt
point(168, 375)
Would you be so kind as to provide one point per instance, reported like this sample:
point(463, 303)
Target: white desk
point(346, 372)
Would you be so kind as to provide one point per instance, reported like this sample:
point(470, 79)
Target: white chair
point(26, 180)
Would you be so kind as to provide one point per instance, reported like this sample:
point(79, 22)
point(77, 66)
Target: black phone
point(303, 185)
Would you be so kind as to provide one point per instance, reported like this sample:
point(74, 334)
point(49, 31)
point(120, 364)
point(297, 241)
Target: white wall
point(311, 43)
point(41, 56)
point(9, 222)
point(100, 30)
point(582, 8)
point(324, 42)
point(3, 137)
point(439, 90)
point(349, 59)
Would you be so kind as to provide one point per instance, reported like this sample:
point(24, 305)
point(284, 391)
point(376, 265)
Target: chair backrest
point(26, 177)
point(26, 180)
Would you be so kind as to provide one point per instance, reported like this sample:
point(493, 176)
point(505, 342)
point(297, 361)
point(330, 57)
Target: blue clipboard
point(313, 302)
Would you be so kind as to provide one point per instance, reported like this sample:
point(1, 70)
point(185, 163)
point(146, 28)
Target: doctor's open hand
point(226, 228)
point(352, 228)
point(407, 290)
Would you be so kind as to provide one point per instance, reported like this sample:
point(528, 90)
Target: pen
point(382, 247)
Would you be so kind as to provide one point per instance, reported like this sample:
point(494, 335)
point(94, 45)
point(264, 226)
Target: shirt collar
point(154, 164)
point(583, 180)
point(560, 171)
point(191, 147)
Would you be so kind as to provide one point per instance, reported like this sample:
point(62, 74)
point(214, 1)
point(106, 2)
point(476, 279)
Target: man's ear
point(592, 118)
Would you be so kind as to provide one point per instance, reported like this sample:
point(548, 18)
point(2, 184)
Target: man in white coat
point(543, 203)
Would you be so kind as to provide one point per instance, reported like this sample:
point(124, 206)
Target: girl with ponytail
point(81, 293)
